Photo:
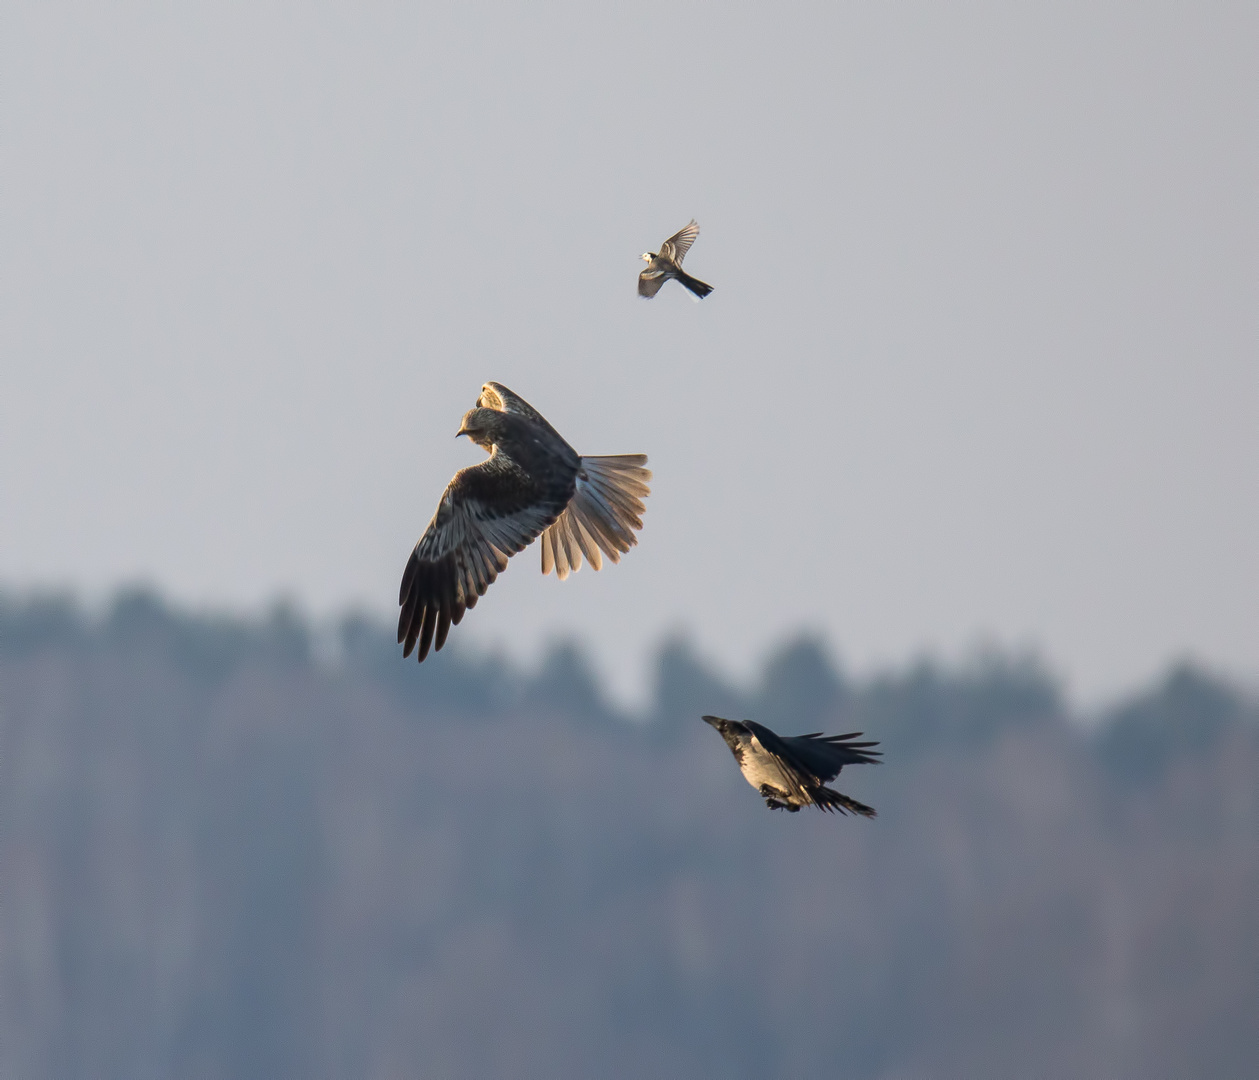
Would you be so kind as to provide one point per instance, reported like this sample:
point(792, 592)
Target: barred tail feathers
point(602, 516)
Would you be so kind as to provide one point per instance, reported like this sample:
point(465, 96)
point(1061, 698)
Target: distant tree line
point(913, 711)
point(256, 848)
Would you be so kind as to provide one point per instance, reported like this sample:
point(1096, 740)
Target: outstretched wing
point(825, 755)
point(649, 282)
point(487, 514)
point(602, 515)
point(498, 397)
point(679, 243)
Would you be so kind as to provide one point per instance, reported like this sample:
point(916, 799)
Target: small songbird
point(533, 484)
point(791, 771)
point(668, 264)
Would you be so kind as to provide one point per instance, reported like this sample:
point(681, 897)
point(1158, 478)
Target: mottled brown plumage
point(533, 484)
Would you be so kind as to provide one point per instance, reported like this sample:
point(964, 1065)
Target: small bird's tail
point(830, 800)
point(699, 288)
point(602, 515)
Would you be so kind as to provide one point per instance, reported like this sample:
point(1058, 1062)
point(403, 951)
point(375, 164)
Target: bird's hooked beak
point(463, 430)
point(714, 721)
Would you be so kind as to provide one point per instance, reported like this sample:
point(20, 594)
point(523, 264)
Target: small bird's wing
point(488, 513)
point(825, 755)
point(798, 778)
point(650, 280)
point(676, 247)
point(603, 514)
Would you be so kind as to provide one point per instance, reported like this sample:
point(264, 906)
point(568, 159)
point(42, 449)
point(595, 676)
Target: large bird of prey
point(668, 264)
point(791, 771)
point(533, 483)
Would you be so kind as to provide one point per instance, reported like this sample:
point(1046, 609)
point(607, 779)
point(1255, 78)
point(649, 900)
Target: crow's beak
point(715, 721)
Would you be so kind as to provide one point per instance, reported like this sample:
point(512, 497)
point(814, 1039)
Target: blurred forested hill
point(232, 849)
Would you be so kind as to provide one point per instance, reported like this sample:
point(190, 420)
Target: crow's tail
point(699, 288)
point(830, 800)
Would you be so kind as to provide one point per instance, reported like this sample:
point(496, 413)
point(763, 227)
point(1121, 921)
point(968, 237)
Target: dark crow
point(533, 483)
point(791, 771)
point(668, 264)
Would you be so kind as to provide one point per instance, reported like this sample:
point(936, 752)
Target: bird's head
point(480, 425)
point(730, 730)
point(647, 256)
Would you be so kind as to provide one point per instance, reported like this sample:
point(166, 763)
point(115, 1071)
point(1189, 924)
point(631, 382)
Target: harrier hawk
point(791, 771)
point(533, 483)
point(668, 264)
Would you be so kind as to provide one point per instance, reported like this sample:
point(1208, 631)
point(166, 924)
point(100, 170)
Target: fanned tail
point(602, 516)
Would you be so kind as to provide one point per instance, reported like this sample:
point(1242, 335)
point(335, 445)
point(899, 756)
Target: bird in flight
point(668, 264)
point(533, 484)
point(791, 771)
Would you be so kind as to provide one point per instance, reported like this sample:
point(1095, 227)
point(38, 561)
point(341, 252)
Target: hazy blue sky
point(980, 363)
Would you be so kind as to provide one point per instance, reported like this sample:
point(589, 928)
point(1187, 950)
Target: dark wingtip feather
point(408, 575)
point(426, 632)
point(413, 634)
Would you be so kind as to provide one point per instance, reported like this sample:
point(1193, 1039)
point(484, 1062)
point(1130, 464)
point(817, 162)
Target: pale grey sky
point(980, 363)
